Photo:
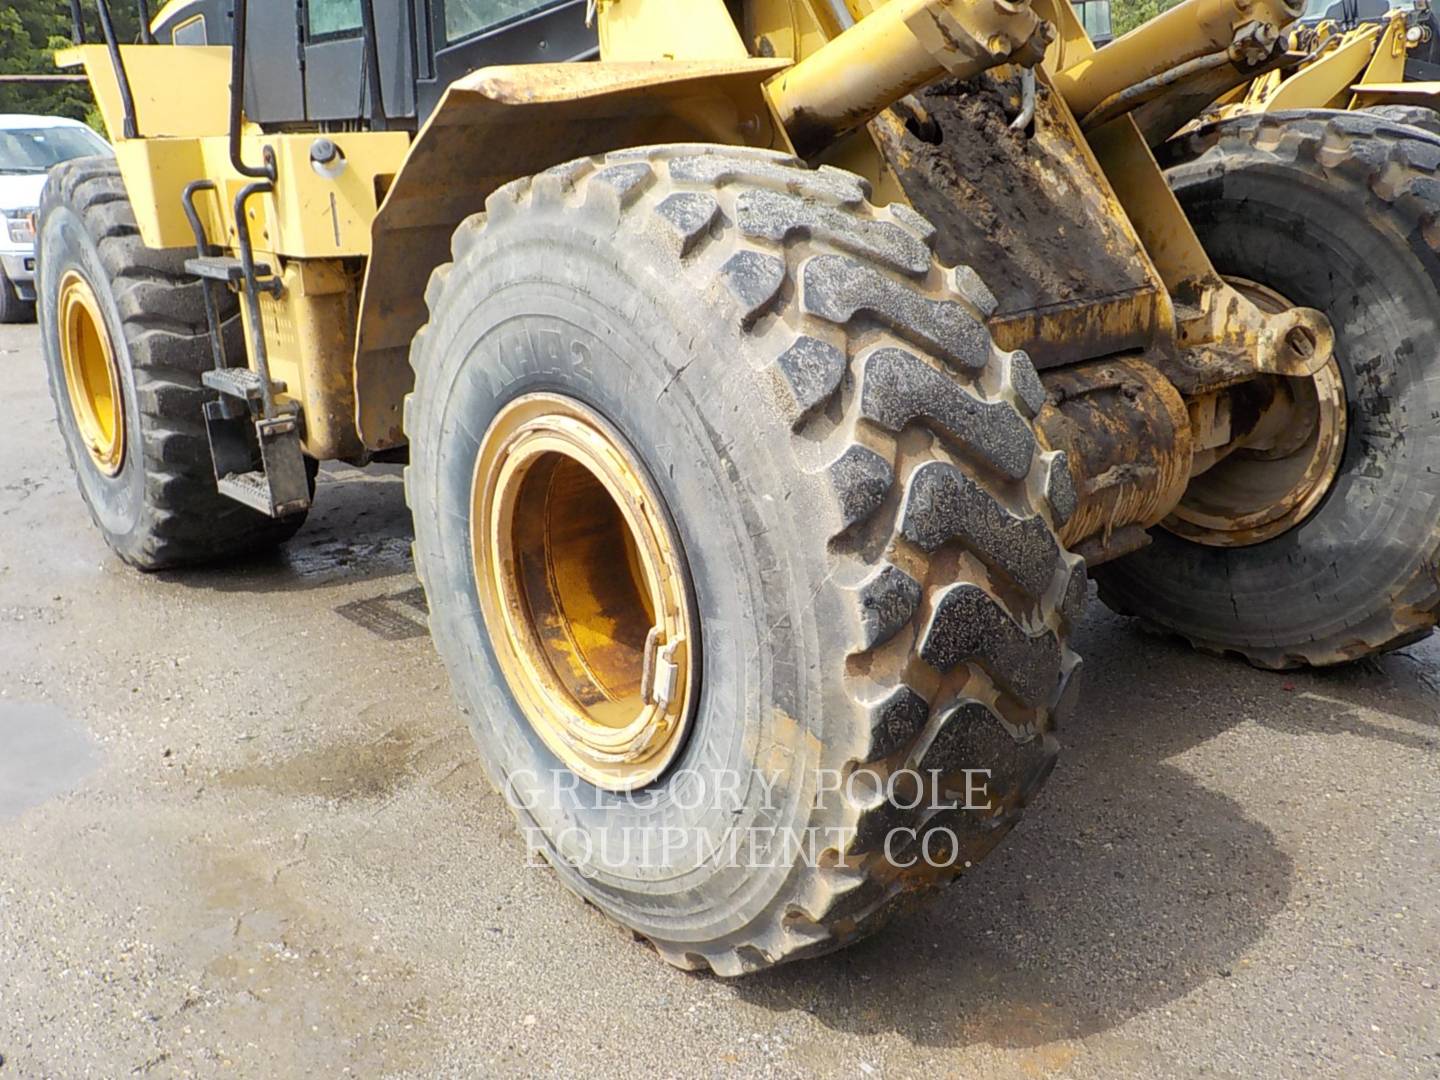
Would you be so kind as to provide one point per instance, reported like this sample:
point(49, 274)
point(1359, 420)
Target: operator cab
point(428, 45)
point(1094, 15)
point(1422, 55)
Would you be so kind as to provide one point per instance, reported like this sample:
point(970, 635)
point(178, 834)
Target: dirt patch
point(339, 771)
point(1024, 209)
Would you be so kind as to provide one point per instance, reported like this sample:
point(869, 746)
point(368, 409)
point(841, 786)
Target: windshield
point(1356, 10)
point(35, 150)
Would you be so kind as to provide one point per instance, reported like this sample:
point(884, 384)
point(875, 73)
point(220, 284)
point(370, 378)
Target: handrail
point(204, 248)
point(251, 289)
point(129, 127)
point(77, 23)
point(266, 170)
point(143, 9)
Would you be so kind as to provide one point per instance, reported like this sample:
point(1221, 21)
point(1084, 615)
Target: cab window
point(326, 18)
point(465, 18)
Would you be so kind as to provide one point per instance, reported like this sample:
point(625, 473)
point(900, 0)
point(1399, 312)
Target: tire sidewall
point(1332, 577)
point(568, 317)
point(118, 502)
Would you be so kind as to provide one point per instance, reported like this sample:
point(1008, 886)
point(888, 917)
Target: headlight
point(20, 225)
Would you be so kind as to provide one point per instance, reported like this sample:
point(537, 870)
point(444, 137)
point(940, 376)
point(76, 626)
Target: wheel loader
point(1348, 55)
point(769, 376)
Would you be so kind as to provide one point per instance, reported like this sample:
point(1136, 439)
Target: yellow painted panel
point(179, 90)
point(789, 28)
point(322, 217)
point(155, 172)
point(1426, 94)
point(309, 338)
point(1158, 220)
point(666, 30)
point(310, 215)
point(1318, 84)
point(1388, 63)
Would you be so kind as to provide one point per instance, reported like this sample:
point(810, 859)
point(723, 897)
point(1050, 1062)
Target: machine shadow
point(358, 530)
point(1128, 884)
point(1407, 680)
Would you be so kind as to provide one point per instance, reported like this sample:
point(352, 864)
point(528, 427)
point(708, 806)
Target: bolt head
point(323, 151)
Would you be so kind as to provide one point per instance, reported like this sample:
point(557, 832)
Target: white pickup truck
point(29, 147)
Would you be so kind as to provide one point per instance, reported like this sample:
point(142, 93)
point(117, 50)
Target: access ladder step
point(239, 382)
point(225, 268)
point(258, 462)
point(250, 488)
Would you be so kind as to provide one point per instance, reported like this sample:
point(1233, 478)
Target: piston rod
point(899, 47)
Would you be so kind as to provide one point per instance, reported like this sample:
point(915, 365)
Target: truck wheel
point(738, 544)
point(1332, 211)
point(12, 308)
point(125, 341)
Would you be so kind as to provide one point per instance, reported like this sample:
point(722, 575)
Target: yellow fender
point(1426, 94)
point(501, 123)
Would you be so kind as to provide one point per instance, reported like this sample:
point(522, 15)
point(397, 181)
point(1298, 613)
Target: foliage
point(1125, 15)
point(30, 31)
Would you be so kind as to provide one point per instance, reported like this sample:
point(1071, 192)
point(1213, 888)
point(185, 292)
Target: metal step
point(258, 462)
point(250, 488)
point(239, 382)
point(225, 268)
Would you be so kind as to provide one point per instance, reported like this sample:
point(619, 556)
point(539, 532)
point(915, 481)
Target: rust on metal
point(1126, 433)
point(1266, 451)
point(584, 592)
point(898, 48)
point(1068, 273)
point(1182, 34)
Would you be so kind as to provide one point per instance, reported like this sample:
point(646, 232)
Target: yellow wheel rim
point(1252, 497)
point(582, 586)
point(92, 380)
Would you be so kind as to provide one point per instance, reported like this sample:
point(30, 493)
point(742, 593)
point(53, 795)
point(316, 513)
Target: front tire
point(137, 439)
point(1334, 211)
point(868, 527)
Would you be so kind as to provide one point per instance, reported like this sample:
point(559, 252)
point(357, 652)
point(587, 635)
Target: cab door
point(333, 61)
point(469, 34)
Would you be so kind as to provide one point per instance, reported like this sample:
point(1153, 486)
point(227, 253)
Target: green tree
point(1125, 15)
point(30, 32)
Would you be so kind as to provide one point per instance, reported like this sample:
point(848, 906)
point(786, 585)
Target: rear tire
point(867, 518)
point(161, 507)
point(1334, 211)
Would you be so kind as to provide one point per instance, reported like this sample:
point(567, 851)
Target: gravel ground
point(243, 832)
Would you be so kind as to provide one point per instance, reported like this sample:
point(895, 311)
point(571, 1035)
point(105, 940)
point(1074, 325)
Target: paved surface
point(243, 833)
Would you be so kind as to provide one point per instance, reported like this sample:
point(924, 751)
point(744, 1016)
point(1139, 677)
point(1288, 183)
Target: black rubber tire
point(1336, 211)
point(850, 468)
point(12, 308)
point(1415, 116)
point(161, 509)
